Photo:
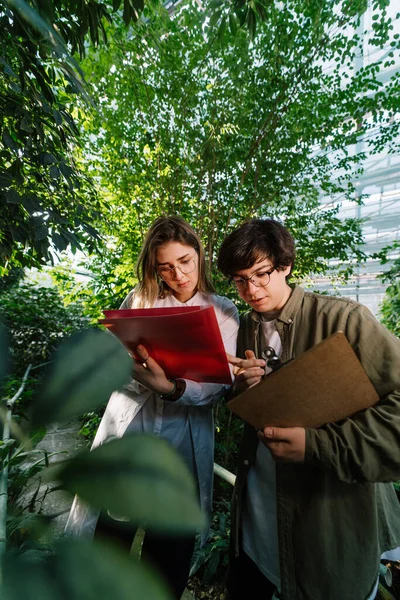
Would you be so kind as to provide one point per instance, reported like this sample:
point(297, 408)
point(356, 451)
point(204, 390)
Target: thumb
point(142, 353)
point(144, 356)
point(276, 433)
point(250, 354)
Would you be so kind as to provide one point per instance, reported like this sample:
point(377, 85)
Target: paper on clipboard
point(186, 342)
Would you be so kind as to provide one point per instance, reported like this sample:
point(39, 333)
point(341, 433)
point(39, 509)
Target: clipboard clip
point(272, 360)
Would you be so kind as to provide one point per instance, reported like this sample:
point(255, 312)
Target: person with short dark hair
point(314, 510)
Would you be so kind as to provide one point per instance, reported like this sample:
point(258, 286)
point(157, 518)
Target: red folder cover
point(186, 342)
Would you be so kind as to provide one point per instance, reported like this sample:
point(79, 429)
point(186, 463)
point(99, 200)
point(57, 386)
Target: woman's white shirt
point(188, 422)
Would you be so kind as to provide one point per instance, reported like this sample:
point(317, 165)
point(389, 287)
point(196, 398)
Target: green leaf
point(25, 124)
point(233, 25)
point(17, 233)
point(87, 368)
point(16, 171)
point(31, 203)
point(8, 141)
point(54, 172)
point(251, 22)
point(8, 71)
point(140, 477)
point(15, 87)
point(60, 242)
point(47, 158)
point(57, 117)
point(66, 170)
point(70, 237)
point(79, 570)
point(41, 232)
point(5, 180)
point(37, 436)
point(127, 12)
point(27, 13)
point(211, 567)
point(215, 17)
point(13, 197)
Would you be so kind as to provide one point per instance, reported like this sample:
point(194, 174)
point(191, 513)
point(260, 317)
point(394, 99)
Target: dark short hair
point(254, 241)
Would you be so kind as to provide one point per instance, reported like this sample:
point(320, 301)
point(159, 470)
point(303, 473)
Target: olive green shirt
point(337, 511)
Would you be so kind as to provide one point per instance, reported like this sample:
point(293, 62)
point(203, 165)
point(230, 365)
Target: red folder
point(186, 342)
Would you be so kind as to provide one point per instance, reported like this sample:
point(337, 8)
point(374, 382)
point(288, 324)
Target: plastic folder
point(324, 385)
point(186, 342)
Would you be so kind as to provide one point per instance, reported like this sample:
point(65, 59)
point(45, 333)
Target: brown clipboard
point(324, 385)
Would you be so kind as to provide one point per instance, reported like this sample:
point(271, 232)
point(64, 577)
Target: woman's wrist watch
point(177, 392)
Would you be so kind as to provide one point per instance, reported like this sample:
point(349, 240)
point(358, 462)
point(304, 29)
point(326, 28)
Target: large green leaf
point(79, 571)
point(140, 477)
point(87, 368)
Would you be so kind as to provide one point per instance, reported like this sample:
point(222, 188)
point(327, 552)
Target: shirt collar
point(290, 309)
point(191, 302)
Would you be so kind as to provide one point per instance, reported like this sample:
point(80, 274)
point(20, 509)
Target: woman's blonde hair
point(163, 231)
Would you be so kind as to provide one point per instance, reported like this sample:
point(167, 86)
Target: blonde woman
point(172, 272)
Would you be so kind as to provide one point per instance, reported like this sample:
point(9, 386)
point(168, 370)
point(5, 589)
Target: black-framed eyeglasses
point(260, 279)
point(185, 267)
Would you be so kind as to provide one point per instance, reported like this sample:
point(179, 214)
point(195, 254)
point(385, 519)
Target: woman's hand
point(149, 373)
point(247, 371)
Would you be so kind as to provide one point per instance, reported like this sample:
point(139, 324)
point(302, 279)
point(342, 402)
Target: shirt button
point(246, 462)
point(290, 320)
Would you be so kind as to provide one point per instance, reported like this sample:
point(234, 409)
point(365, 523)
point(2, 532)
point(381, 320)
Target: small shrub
point(36, 320)
point(90, 423)
point(212, 560)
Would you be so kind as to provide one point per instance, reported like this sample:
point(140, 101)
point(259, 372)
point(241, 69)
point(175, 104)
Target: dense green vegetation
point(390, 308)
point(114, 112)
point(191, 114)
point(200, 120)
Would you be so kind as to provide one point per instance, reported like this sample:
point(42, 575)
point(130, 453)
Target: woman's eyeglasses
point(185, 267)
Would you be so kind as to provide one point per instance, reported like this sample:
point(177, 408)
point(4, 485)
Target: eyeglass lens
point(260, 280)
point(184, 268)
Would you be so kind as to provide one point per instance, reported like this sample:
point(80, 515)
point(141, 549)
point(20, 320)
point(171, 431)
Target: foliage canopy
point(47, 200)
point(197, 118)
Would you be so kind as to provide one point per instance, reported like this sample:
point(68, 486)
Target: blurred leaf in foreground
point(87, 368)
point(79, 570)
point(139, 476)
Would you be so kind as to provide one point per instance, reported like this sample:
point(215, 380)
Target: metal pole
point(224, 474)
point(4, 473)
